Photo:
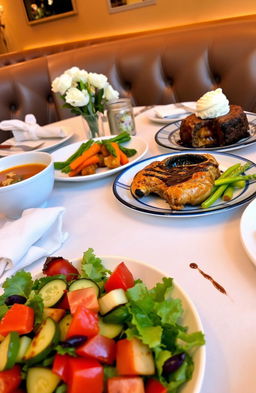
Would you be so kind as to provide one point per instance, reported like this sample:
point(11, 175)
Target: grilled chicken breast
point(180, 180)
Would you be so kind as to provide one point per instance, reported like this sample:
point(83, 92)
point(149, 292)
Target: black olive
point(172, 364)
point(12, 299)
point(74, 341)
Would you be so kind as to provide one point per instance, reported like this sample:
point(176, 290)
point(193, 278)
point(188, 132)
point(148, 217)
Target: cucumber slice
point(84, 283)
point(52, 292)
point(111, 300)
point(41, 380)
point(110, 330)
point(64, 326)
point(118, 315)
point(24, 344)
point(9, 349)
point(43, 342)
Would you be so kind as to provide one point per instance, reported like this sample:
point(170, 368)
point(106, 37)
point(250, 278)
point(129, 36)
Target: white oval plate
point(154, 205)
point(62, 154)
point(150, 277)
point(48, 143)
point(175, 111)
point(248, 230)
point(169, 137)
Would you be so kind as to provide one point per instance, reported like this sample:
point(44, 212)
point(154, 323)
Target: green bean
point(228, 194)
point(230, 180)
point(84, 146)
point(218, 191)
point(239, 184)
point(213, 197)
point(127, 152)
point(121, 138)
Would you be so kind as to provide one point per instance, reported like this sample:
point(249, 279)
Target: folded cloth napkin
point(36, 234)
point(175, 111)
point(30, 130)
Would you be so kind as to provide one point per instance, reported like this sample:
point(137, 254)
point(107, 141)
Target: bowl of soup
point(26, 181)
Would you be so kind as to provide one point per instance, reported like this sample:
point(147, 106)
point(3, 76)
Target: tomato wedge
point(19, 318)
point(59, 265)
point(10, 379)
point(84, 296)
point(120, 278)
point(84, 322)
point(60, 366)
point(154, 386)
point(99, 347)
point(85, 375)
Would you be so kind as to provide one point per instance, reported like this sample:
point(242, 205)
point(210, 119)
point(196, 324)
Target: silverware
point(20, 147)
point(146, 108)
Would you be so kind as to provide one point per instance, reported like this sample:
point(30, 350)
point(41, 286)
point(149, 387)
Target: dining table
point(94, 218)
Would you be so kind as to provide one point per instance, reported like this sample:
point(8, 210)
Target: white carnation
point(77, 75)
point(61, 84)
point(109, 93)
point(97, 80)
point(76, 97)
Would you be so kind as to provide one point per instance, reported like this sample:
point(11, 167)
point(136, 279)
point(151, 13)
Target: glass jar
point(120, 116)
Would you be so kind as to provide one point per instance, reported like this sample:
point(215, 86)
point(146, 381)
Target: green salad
point(92, 330)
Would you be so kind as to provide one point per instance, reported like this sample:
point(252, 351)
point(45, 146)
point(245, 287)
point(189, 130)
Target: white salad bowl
point(150, 277)
point(28, 193)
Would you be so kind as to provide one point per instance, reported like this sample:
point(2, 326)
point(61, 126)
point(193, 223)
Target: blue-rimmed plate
point(169, 136)
point(154, 205)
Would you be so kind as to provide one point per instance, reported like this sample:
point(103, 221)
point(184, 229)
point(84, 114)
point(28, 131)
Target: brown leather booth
point(155, 68)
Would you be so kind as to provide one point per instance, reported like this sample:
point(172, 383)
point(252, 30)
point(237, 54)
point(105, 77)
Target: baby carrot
point(91, 160)
point(94, 149)
point(123, 157)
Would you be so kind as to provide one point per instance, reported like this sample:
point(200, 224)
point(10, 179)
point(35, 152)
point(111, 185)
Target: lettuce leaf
point(18, 284)
point(35, 301)
point(92, 267)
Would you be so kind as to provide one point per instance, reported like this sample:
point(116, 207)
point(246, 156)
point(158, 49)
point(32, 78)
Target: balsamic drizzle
point(214, 283)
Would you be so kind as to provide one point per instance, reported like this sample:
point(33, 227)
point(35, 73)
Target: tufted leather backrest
point(158, 68)
point(175, 65)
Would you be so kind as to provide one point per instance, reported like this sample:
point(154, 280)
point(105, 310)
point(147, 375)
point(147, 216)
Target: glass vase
point(94, 125)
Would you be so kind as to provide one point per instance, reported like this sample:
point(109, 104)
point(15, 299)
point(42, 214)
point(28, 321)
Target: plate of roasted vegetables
point(99, 324)
point(187, 184)
point(96, 158)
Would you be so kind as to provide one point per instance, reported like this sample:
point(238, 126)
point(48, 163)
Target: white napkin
point(36, 234)
point(30, 130)
point(175, 111)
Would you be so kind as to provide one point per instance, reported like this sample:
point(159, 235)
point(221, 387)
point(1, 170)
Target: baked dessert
point(180, 180)
point(214, 124)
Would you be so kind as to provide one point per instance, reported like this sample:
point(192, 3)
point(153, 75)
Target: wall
point(93, 20)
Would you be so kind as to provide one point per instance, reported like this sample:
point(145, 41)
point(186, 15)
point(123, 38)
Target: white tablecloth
point(94, 218)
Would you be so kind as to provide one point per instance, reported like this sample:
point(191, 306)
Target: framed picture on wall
point(125, 5)
point(46, 10)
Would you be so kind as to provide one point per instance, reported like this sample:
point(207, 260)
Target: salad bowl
point(170, 325)
point(150, 276)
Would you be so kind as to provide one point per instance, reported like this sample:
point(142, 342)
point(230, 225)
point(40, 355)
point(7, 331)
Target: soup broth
point(19, 173)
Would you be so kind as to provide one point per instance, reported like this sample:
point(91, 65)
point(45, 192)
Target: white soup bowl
point(28, 193)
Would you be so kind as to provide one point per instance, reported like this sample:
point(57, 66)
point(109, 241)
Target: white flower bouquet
point(85, 93)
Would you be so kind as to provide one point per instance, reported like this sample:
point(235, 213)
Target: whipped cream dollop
point(212, 104)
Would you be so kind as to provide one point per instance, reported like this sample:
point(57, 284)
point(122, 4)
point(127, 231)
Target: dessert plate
point(45, 144)
point(248, 230)
point(169, 136)
point(154, 205)
point(165, 114)
point(63, 153)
